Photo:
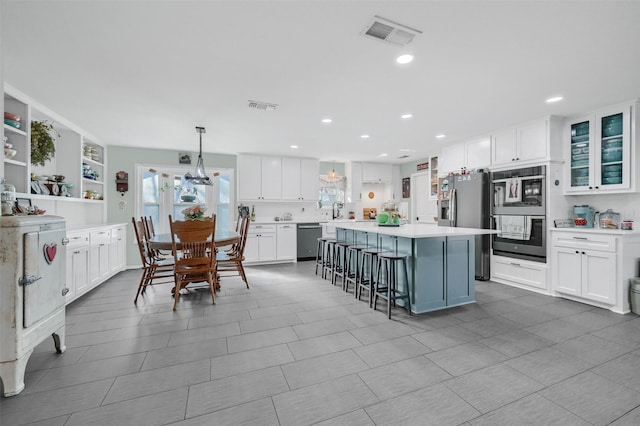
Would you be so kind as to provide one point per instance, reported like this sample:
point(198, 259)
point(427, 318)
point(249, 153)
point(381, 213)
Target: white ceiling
point(145, 73)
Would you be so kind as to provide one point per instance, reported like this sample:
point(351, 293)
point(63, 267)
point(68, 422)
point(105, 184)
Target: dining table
point(222, 238)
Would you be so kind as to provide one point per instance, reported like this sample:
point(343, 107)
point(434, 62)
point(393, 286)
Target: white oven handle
point(518, 177)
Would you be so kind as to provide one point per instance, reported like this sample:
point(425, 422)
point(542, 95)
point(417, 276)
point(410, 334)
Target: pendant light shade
point(333, 175)
point(200, 176)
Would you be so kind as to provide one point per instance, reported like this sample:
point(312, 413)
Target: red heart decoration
point(50, 252)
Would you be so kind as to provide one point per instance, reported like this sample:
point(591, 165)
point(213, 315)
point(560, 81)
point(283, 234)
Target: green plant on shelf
point(43, 137)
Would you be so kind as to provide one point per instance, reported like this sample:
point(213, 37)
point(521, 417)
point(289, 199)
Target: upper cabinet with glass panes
point(600, 151)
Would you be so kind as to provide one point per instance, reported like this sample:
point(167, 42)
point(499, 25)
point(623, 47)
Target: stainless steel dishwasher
point(308, 234)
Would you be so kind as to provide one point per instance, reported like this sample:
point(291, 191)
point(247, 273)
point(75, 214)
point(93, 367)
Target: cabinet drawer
point(522, 272)
point(585, 241)
point(78, 239)
point(100, 236)
point(261, 229)
point(119, 232)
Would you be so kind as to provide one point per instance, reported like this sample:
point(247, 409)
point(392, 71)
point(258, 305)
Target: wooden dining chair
point(231, 261)
point(153, 269)
point(194, 256)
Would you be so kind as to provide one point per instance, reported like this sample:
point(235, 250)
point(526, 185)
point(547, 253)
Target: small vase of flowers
point(194, 213)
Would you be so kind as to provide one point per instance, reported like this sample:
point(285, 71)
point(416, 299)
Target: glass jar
point(8, 197)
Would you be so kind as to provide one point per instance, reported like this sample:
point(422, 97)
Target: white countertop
point(75, 228)
point(420, 230)
point(583, 230)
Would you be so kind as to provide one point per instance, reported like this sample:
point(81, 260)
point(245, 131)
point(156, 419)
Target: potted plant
point(43, 146)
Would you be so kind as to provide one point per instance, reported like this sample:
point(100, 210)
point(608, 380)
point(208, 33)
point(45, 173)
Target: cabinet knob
point(577, 252)
point(513, 159)
point(584, 253)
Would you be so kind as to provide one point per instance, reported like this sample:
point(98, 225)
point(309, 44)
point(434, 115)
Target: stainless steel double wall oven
point(519, 212)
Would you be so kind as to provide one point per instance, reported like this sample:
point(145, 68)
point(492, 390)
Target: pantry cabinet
point(594, 266)
point(300, 179)
point(469, 155)
point(600, 154)
point(353, 172)
point(531, 142)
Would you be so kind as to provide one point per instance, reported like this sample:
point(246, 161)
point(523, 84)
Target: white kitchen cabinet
point(594, 266)
point(527, 143)
point(353, 172)
point(300, 179)
point(601, 154)
point(99, 266)
point(469, 155)
point(118, 249)
point(376, 173)
point(77, 264)
point(396, 184)
point(286, 242)
point(261, 244)
point(434, 166)
point(259, 178)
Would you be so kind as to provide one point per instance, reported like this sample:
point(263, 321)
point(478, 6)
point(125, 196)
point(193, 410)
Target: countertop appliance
point(586, 213)
point(307, 236)
point(32, 291)
point(464, 202)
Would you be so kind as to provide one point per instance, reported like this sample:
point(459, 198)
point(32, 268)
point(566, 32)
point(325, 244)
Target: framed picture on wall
point(406, 187)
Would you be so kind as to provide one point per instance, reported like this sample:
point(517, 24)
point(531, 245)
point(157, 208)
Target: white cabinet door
point(376, 172)
point(451, 159)
point(354, 181)
point(249, 177)
point(396, 184)
point(267, 247)
point(478, 153)
point(532, 141)
point(77, 271)
point(291, 177)
point(568, 270)
point(504, 147)
point(600, 276)
point(271, 178)
point(286, 248)
point(251, 253)
point(309, 179)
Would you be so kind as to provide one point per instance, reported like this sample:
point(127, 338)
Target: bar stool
point(388, 262)
point(367, 281)
point(321, 253)
point(327, 269)
point(353, 266)
point(339, 262)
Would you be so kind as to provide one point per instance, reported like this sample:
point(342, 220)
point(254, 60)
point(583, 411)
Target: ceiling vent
point(403, 157)
point(388, 31)
point(262, 105)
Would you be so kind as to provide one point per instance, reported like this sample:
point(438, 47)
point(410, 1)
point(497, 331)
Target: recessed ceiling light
point(406, 116)
point(440, 136)
point(407, 150)
point(327, 120)
point(293, 146)
point(554, 99)
point(364, 136)
point(383, 155)
point(404, 59)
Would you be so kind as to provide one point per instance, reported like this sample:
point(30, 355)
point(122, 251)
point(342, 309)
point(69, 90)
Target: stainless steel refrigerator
point(464, 202)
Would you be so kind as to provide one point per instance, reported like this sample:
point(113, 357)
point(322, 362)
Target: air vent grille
point(390, 32)
point(265, 106)
point(403, 156)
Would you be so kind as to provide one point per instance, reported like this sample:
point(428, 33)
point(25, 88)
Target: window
point(164, 192)
point(331, 191)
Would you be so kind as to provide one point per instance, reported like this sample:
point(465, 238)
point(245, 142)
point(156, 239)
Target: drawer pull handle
point(515, 264)
point(580, 238)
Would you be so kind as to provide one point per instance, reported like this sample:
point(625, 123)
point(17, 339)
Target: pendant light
point(333, 175)
point(200, 177)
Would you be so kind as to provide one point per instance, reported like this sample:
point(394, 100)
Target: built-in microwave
point(519, 191)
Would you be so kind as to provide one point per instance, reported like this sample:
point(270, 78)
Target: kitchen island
point(441, 260)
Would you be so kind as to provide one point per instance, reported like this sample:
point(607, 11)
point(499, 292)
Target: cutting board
point(367, 210)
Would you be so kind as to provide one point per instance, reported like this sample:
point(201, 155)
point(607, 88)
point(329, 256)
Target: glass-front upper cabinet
point(599, 158)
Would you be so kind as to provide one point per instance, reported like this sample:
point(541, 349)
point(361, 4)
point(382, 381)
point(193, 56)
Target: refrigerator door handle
point(452, 210)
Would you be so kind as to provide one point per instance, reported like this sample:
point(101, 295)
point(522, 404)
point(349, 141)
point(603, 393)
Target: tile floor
point(295, 350)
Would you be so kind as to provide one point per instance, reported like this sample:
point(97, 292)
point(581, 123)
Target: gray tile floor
point(295, 350)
